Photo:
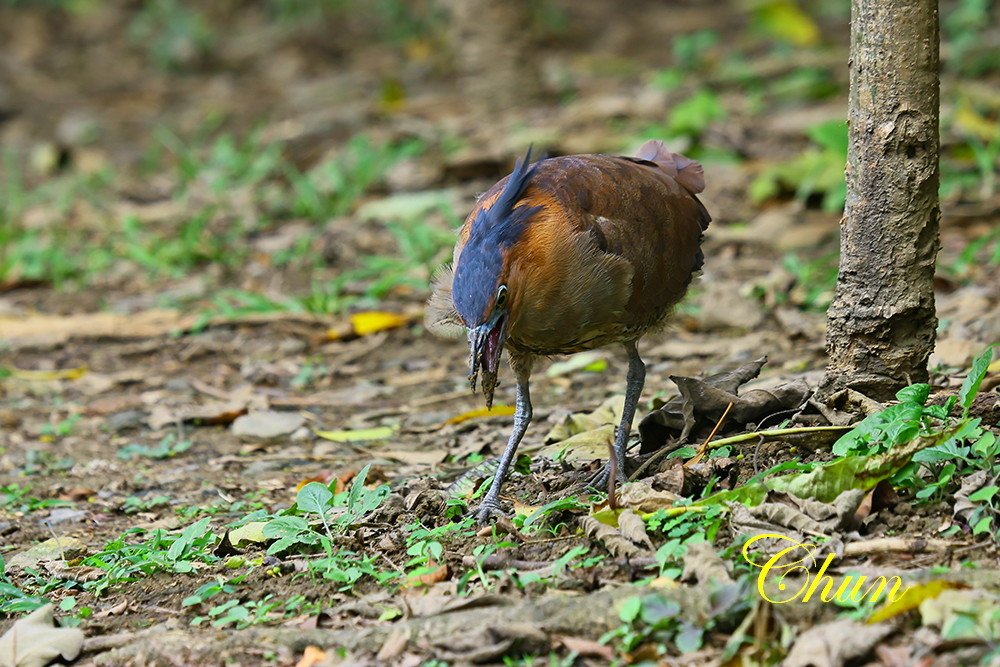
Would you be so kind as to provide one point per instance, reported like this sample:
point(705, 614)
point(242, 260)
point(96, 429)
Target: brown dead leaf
point(610, 537)
point(586, 648)
point(703, 565)
point(53, 329)
point(115, 610)
point(639, 496)
point(416, 457)
point(634, 529)
point(76, 493)
point(393, 646)
point(703, 401)
point(434, 576)
point(34, 641)
point(311, 656)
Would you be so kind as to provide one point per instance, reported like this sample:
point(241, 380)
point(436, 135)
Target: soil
point(311, 90)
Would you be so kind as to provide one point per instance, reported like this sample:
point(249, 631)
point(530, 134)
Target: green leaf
point(187, 538)
point(629, 609)
point(915, 393)
point(974, 379)
point(285, 526)
point(689, 639)
point(314, 498)
point(827, 481)
point(984, 494)
point(982, 526)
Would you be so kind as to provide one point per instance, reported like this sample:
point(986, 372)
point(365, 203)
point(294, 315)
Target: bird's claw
point(600, 480)
point(488, 510)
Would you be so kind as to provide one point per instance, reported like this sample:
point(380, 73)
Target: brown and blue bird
point(569, 254)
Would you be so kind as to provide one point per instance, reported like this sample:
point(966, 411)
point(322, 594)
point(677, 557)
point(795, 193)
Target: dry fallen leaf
point(48, 375)
point(436, 575)
point(912, 597)
point(248, 532)
point(34, 641)
point(311, 656)
point(587, 648)
point(835, 644)
point(634, 528)
point(394, 646)
point(495, 411)
point(367, 323)
point(358, 435)
point(416, 457)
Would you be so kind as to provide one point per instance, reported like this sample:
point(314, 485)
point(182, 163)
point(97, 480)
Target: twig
point(884, 545)
point(731, 440)
point(704, 446)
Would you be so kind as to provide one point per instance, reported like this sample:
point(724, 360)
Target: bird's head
point(481, 289)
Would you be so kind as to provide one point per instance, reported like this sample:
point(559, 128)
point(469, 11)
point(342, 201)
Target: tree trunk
point(881, 323)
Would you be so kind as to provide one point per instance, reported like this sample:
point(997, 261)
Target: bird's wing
point(636, 210)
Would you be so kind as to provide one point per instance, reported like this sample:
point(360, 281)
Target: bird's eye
point(501, 296)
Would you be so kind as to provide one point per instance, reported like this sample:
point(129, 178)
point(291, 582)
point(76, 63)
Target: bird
point(567, 254)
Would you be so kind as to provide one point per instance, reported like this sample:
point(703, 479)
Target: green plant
point(334, 187)
point(60, 429)
point(168, 448)
point(539, 518)
point(659, 622)
point(969, 448)
point(172, 33)
point(134, 504)
point(15, 498)
point(241, 614)
point(424, 545)
point(161, 552)
point(964, 35)
point(13, 600)
point(691, 117)
point(819, 170)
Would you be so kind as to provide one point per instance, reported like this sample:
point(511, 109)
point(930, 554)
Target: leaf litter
point(170, 525)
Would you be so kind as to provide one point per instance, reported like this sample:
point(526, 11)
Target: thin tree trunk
point(881, 323)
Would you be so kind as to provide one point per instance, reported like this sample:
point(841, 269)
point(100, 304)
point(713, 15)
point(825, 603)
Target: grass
point(231, 190)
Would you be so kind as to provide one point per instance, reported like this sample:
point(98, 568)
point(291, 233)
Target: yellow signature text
point(792, 562)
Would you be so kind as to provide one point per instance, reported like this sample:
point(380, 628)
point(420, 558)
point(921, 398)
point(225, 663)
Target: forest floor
point(226, 438)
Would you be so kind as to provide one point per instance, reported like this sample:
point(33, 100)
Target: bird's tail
point(688, 173)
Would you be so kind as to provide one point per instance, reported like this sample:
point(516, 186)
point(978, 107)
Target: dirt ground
point(131, 354)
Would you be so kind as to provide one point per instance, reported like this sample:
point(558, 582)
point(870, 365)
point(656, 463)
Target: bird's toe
point(487, 512)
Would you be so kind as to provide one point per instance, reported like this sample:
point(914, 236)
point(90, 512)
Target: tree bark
point(881, 324)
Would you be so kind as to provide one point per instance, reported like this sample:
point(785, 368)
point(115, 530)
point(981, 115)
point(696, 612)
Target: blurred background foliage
point(313, 155)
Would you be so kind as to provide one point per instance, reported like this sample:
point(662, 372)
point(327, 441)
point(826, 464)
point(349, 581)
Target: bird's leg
point(634, 381)
point(521, 364)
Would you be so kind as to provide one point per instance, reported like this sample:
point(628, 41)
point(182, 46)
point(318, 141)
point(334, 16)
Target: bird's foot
point(488, 511)
point(600, 480)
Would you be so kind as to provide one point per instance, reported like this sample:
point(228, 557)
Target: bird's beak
point(485, 347)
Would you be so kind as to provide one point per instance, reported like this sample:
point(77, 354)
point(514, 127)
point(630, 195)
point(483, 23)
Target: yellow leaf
point(357, 435)
point(367, 323)
point(911, 599)
point(606, 515)
point(496, 411)
point(784, 20)
point(525, 510)
point(248, 532)
point(46, 376)
point(970, 121)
